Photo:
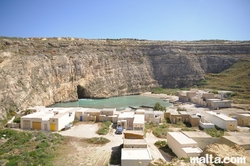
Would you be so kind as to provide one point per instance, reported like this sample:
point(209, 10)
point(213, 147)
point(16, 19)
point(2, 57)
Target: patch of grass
point(98, 140)
point(236, 79)
point(161, 131)
point(104, 128)
point(181, 109)
point(28, 148)
point(165, 91)
point(215, 132)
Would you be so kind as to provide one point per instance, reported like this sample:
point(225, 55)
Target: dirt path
point(77, 152)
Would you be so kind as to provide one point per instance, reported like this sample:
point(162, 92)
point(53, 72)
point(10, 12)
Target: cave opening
point(81, 92)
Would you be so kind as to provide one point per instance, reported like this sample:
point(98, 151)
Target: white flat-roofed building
point(202, 138)
point(182, 145)
point(60, 120)
point(135, 156)
point(221, 120)
point(125, 119)
point(140, 111)
point(138, 123)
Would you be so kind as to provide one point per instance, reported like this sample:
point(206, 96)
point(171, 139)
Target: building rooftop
point(183, 112)
point(221, 116)
point(240, 140)
point(247, 115)
point(174, 113)
point(134, 141)
point(149, 112)
point(136, 154)
point(182, 138)
point(140, 111)
point(139, 119)
point(192, 150)
point(126, 115)
point(241, 134)
point(196, 134)
point(158, 112)
point(58, 115)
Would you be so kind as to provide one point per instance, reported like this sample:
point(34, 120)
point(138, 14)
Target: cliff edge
point(44, 71)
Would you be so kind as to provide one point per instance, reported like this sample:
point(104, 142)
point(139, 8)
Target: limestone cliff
point(40, 71)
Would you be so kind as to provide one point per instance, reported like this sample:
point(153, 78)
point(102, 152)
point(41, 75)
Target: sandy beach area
point(171, 98)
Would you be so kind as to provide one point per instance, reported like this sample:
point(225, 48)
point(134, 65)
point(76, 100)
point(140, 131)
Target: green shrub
point(160, 143)
point(215, 132)
point(159, 107)
point(17, 120)
point(104, 129)
point(98, 140)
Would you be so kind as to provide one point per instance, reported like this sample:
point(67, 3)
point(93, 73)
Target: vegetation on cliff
point(236, 79)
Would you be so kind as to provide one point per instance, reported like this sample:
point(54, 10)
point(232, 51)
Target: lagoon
point(120, 103)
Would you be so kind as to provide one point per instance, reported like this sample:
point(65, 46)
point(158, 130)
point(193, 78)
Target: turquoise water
point(119, 103)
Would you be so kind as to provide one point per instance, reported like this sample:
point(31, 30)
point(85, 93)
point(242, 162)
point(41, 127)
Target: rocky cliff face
point(45, 71)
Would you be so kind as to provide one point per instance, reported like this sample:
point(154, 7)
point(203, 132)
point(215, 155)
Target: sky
point(114, 19)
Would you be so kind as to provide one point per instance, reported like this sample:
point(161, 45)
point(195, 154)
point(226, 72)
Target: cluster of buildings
point(206, 99)
point(192, 143)
point(135, 150)
point(208, 119)
point(57, 118)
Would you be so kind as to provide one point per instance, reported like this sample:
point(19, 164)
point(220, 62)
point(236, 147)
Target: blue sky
point(141, 19)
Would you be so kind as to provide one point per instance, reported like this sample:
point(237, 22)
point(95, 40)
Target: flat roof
point(213, 99)
point(241, 134)
point(244, 115)
point(183, 112)
point(196, 134)
point(182, 138)
point(238, 139)
point(149, 112)
point(174, 113)
point(134, 141)
point(158, 112)
point(126, 115)
point(192, 150)
point(59, 115)
point(136, 154)
point(139, 118)
point(221, 116)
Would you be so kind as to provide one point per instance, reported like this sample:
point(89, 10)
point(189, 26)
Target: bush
point(98, 140)
point(17, 120)
point(159, 107)
point(160, 143)
point(104, 129)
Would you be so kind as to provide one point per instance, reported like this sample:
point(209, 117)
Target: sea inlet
point(120, 103)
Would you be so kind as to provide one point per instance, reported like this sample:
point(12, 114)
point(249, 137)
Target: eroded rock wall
point(47, 71)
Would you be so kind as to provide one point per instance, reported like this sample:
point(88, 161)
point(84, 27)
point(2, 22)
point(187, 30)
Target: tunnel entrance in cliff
point(81, 92)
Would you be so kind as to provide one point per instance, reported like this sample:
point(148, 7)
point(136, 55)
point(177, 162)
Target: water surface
point(119, 103)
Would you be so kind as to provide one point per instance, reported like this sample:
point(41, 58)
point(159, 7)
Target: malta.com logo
point(217, 160)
